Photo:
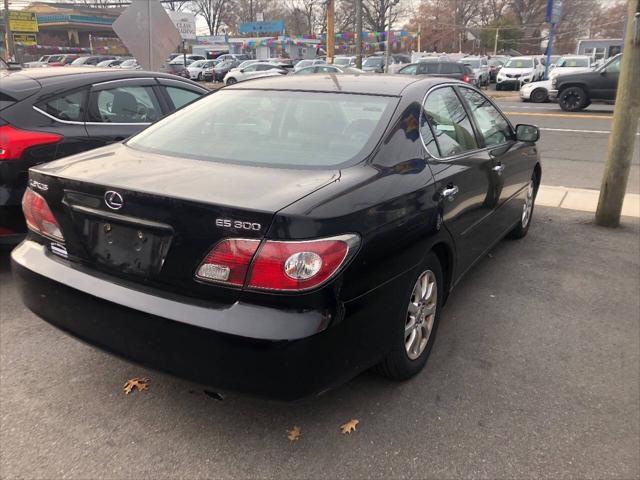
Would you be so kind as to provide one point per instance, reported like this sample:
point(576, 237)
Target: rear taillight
point(277, 265)
point(465, 78)
point(39, 217)
point(14, 141)
point(228, 262)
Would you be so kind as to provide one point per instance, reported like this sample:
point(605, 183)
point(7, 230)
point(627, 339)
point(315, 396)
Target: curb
point(583, 200)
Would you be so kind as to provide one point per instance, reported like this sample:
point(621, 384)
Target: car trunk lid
point(152, 219)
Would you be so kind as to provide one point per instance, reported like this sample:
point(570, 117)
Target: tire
point(200, 77)
point(231, 81)
point(498, 87)
point(402, 362)
point(539, 95)
point(573, 99)
point(522, 228)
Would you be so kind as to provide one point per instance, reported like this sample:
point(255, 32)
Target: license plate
point(127, 248)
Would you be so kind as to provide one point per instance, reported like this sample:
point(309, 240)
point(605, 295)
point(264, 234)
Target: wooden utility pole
point(358, 33)
point(625, 125)
point(495, 43)
point(9, 37)
point(331, 33)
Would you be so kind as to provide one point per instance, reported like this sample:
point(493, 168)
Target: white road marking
point(545, 129)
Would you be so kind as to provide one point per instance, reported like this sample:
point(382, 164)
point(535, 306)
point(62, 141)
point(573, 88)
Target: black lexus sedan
point(303, 230)
point(50, 113)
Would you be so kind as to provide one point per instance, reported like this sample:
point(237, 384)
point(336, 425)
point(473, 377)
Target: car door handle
point(449, 192)
point(498, 169)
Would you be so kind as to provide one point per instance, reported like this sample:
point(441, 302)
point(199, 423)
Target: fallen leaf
point(138, 383)
point(295, 434)
point(350, 426)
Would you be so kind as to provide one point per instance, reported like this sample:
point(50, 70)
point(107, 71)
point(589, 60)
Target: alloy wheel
point(527, 208)
point(421, 314)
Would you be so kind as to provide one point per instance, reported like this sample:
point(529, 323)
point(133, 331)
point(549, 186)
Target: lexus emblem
point(113, 200)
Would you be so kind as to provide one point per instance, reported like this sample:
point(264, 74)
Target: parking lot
point(534, 374)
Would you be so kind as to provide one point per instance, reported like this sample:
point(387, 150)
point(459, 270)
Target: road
point(573, 145)
point(534, 374)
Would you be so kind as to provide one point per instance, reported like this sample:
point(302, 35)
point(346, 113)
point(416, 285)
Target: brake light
point(465, 78)
point(14, 141)
point(276, 265)
point(39, 217)
point(228, 262)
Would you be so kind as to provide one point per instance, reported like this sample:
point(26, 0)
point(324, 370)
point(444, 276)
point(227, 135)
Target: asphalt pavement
point(534, 374)
point(573, 146)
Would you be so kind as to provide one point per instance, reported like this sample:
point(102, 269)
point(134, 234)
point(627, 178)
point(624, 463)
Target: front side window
point(613, 66)
point(283, 128)
point(69, 106)
point(136, 104)
point(409, 69)
point(493, 126)
point(327, 69)
point(449, 122)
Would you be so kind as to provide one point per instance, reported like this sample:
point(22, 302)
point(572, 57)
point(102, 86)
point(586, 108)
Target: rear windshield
point(471, 63)
point(277, 128)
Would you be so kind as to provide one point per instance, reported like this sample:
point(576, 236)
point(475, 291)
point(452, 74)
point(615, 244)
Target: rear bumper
point(553, 95)
point(311, 358)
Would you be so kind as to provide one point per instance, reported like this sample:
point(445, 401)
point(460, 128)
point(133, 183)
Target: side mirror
point(603, 72)
point(527, 133)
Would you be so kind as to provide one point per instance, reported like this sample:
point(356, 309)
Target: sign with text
point(25, 39)
point(272, 26)
point(554, 11)
point(185, 23)
point(23, 22)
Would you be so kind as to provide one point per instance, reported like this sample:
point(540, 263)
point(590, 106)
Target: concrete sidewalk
point(582, 199)
point(534, 374)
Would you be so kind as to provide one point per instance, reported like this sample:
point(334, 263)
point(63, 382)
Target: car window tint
point(446, 68)
point(409, 69)
point(180, 97)
point(310, 129)
point(493, 126)
point(69, 106)
point(135, 104)
point(450, 122)
point(614, 66)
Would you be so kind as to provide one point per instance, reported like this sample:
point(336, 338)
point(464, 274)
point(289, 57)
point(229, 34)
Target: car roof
point(391, 85)
point(23, 83)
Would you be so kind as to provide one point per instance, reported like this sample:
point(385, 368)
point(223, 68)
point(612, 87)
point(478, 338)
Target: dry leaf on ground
point(138, 383)
point(350, 426)
point(295, 434)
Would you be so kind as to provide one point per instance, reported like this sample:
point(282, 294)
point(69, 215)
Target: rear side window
point(448, 68)
point(124, 105)
point(69, 106)
point(428, 68)
point(6, 100)
point(450, 122)
point(180, 97)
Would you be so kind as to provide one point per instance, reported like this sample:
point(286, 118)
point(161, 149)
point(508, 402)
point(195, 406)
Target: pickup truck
point(576, 91)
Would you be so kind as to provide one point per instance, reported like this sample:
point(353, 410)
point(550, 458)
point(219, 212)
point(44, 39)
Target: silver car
point(480, 67)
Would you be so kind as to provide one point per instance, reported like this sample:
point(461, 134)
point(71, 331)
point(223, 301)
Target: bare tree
point(213, 12)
